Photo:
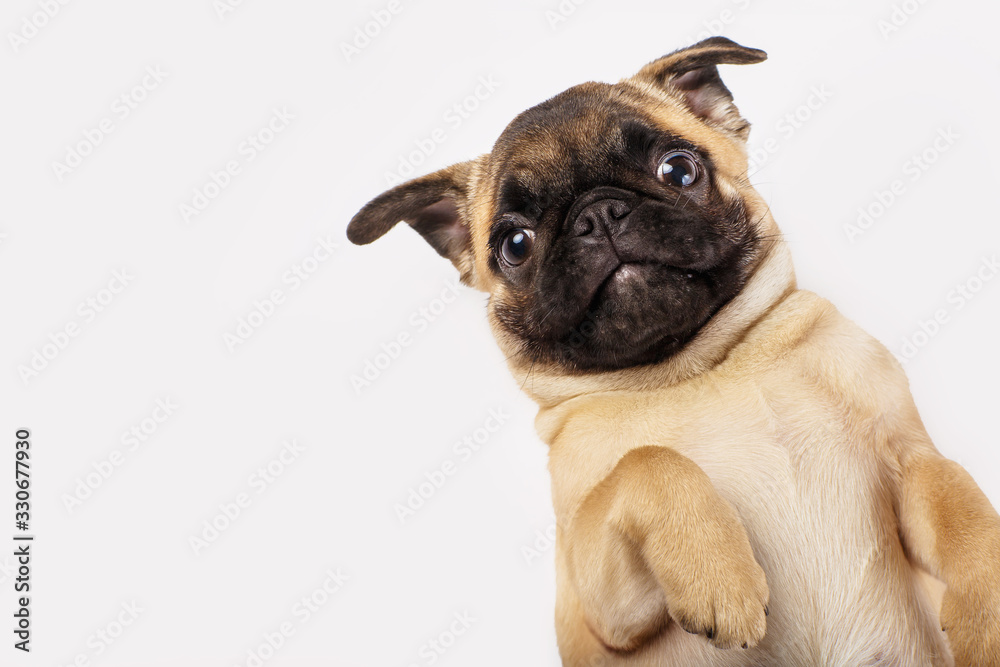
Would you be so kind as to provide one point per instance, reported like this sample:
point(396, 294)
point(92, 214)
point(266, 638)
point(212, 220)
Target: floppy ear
point(435, 205)
point(692, 75)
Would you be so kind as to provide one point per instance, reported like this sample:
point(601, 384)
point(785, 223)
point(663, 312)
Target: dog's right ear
point(435, 205)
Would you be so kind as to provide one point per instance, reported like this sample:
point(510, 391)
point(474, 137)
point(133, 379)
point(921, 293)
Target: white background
point(355, 119)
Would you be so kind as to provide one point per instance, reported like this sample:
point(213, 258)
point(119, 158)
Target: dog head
point(612, 225)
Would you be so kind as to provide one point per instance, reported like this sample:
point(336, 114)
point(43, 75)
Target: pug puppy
point(739, 473)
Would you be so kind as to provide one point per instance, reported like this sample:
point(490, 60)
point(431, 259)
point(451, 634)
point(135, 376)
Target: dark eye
point(678, 168)
point(516, 246)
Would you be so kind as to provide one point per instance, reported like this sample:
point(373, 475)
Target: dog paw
point(971, 621)
point(726, 602)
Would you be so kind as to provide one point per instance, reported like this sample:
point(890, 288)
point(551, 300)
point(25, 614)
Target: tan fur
point(808, 432)
point(776, 462)
point(783, 429)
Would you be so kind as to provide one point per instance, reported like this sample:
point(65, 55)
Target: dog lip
point(625, 270)
point(622, 267)
point(604, 283)
point(552, 328)
point(628, 270)
point(612, 272)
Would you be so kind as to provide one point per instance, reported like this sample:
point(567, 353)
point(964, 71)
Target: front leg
point(949, 527)
point(654, 541)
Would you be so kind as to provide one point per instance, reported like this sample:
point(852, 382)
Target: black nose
point(600, 217)
point(599, 211)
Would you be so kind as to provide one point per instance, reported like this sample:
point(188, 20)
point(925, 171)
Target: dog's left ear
point(692, 75)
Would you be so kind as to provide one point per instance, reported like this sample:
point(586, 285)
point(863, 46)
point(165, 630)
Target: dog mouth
point(623, 274)
point(619, 284)
point(637, 309)
point(632, 279)
point(624, 278)
point(630, 285)
point(628, 274)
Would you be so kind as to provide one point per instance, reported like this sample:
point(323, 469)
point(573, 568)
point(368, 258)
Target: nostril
point(595, 217)
point(618, 209)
